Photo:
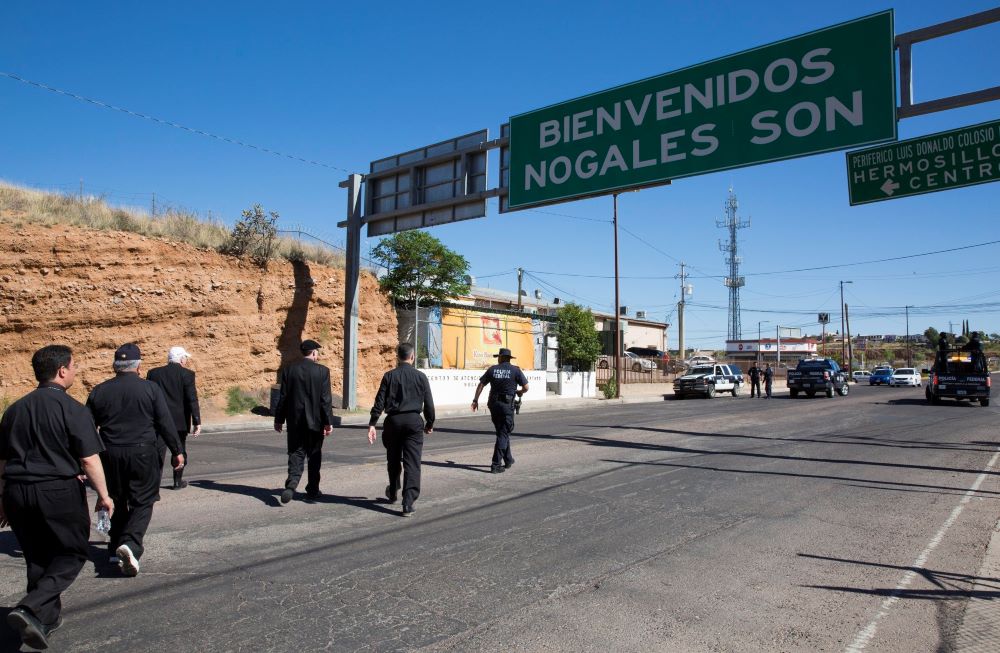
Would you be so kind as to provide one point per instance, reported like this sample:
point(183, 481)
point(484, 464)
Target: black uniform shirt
point(503, 380)
point(131, 411)
point(404, 390)
point(44, 434)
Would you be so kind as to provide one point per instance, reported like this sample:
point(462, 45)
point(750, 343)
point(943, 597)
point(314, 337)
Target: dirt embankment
point(94, 290)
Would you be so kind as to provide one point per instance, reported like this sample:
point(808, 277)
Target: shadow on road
point(894, 485)
point(375, 505)
point(950, 586)
point(9, 545)
point(913, 401)
point(451, 464)
point(268, 497)
point(9, 639)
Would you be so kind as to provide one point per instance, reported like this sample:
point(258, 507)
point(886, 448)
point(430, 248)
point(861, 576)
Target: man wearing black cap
point(403, 394)
point(130, 413)
point(503, 379)
point(46, 439)
point(306, 404)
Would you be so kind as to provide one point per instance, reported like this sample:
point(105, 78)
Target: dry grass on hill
point(25, 205)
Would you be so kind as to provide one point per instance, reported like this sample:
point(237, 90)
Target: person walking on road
point(131, 413)
point(768, 380)
point(47, 439)
point(754, 374)
point(403, 394)
point(503, 379)
point(305, 403)
point(178, 385)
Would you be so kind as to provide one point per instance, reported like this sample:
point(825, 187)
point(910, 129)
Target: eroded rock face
point(94, 290)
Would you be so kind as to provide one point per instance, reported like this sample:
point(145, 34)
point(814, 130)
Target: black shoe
point(497, 469)
point(51, 628)
point(508, 465)
point(286, 496)
point(312, 496)
point(180, 485)
point(390, 495)
point(407, 511)
point(31, 630)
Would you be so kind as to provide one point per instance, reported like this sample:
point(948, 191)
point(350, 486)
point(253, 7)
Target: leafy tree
point(932, 336)
point(253, 237)
point(420, 267)
point(579, 343)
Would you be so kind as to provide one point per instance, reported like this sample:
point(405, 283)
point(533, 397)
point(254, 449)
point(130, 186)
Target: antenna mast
point(734, 281)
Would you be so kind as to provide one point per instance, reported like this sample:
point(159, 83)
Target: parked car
point(709, 380)
point(695, 361)
point(658, 357)
point(880, 376)
point(629, 362)
point(817, 375)
point(861, 375)
point(906, 376)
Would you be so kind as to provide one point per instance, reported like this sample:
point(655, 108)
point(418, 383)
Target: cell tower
point(733, 281)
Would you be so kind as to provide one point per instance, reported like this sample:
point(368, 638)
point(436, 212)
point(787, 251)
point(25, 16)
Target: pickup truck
point(709, 380)
point(817, 375)
point(959, 374)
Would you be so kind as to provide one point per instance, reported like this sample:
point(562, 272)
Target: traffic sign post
point(951, 159)
point(827, 90)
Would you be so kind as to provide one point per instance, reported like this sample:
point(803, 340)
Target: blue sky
point(345, 84)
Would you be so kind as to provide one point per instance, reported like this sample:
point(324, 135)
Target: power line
point(169, 123)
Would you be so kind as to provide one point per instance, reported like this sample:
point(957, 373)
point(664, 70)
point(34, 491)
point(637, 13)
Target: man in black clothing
point(177, 383)
point(130, 413)
point(503, 380)
point(754, 374)
point(306, 404)
point(47, 439)
point(403, 394)
point(768, 374)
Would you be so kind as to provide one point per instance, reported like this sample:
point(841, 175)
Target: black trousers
point(502, 414)
point(755, 388)
point(403, 438)
point(133, 476)
point(304, 445)
point(767, 387)
point(161, 449)
point(51, 523)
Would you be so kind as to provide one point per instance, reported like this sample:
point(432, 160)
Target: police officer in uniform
point(403, 394)
point(503, 379)
point(306, 403)
point(178, 385)
point(130, 413)
point(768, 375)
point(754, 373)
point(47, 439)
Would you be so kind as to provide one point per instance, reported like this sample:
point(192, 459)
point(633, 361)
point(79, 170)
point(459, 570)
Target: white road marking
point(868, 633)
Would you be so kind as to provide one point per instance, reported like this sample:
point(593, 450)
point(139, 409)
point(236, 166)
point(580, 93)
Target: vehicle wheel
point(602, 364)
point(710, 392)
point(736, 390)
point(810, 393)
point(678, 396)
point(844, 390)
point(928, 396)
point(636, 367)
point(829, 393)
point(984, 401)
point(793, 393)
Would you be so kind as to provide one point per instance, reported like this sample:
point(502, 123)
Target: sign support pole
point(352, 275)
point(618, 310)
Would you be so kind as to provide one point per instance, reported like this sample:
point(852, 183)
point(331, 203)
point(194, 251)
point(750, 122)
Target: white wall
point(451, 387)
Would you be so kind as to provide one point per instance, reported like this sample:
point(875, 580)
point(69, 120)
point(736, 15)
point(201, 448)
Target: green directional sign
point(952, 159)
point(823, 91)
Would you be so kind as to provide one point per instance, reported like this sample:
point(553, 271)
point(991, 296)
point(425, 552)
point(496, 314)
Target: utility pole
point(520, 277)
point(352, 275)
point(81, 190)
point(152, 207)
point(843, 330)
point(680, 314)
point(909, 358)
point(850, 346)
point(618, 311)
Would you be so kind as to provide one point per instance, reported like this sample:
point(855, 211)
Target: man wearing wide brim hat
point(503, 379)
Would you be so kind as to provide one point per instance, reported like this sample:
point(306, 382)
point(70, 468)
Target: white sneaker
point(127, 561)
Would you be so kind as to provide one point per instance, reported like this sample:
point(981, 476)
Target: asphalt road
point(854, 523)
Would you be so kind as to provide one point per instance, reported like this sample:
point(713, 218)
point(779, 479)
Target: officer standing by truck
point(754, 374)
point(503, 379)
point(768, 380)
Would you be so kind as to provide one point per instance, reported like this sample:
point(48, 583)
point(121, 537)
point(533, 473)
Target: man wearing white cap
point(178, 386)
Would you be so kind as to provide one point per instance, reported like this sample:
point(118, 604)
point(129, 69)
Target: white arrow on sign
point(889, 187)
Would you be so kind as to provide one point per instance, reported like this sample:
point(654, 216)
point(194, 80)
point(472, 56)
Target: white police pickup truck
point(709, 380)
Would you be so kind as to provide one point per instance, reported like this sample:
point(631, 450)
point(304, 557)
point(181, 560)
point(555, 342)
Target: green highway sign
point(827, 90)
point(952, 159)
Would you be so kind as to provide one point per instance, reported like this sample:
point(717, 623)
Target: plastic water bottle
point(103, 522)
